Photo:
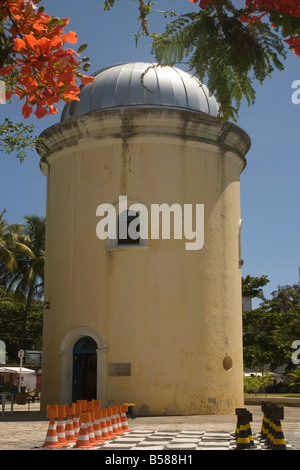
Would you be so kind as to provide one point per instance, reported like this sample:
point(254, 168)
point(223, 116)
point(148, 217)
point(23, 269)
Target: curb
point(287, 401)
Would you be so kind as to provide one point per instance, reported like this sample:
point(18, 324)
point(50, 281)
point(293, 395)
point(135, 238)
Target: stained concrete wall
point(174, 315)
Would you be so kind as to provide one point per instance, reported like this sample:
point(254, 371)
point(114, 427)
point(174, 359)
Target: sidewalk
point(25, 430)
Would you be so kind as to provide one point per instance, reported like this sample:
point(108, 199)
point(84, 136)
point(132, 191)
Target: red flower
point(6, 70)
point(70, 37)
point(86, 80)
point(44, 72)
point(26, 110)
point(294, 44)
point(202, 3)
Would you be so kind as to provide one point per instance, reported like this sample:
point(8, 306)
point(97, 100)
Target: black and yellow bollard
point(245, 412)
point(269, 424)
point(250, 430)
point(265, 421)
point(243, 440)
point(278, 437)
point(238, 411)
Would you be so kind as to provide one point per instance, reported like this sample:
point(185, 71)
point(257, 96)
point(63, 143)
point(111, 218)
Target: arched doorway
point(84, 385)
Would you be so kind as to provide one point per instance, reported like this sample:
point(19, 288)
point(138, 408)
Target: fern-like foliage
point(18, 137)
point(223, 52)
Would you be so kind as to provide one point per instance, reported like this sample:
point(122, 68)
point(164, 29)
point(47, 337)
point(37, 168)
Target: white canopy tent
point(26, 377)
point(16, 370)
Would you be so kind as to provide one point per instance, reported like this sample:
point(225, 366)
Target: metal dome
point(120, 86)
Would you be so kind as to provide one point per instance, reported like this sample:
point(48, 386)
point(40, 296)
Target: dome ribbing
point(120, 86)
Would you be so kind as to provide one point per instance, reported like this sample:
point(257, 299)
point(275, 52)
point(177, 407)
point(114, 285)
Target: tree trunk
point(25, 316)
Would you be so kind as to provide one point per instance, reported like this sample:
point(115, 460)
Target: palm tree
point(7, 259)
point(11, 242)
point(26, 280)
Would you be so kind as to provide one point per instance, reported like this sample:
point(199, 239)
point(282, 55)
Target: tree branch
point(143, 17)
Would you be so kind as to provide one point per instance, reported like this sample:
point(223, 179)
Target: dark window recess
point(129, 228)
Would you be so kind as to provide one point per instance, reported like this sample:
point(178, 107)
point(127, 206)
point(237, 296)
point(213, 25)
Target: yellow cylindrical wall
point(173, 315)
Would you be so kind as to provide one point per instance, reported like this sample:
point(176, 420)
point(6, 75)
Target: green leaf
point(228, 55)
point(17, 137)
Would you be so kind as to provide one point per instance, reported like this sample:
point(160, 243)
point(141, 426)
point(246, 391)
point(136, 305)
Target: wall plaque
point(119, 369)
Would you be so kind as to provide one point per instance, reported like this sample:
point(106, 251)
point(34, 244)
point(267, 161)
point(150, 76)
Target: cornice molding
point(127, 124)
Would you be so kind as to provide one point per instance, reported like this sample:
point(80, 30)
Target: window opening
point(128, 228)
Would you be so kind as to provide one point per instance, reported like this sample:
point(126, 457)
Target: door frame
point(66, 351)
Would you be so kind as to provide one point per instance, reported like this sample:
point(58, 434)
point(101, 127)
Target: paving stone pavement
point(26, 430)
point(167, 440)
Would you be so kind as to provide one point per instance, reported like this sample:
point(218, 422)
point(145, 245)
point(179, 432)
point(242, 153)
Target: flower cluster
point(286, 7)
point(41, 70)
point(294, 43)
point(279, 10)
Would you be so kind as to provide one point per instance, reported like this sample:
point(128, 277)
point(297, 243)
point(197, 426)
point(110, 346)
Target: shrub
point(257, 383)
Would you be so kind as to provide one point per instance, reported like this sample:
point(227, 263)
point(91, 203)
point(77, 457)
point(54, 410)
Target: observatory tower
point(156, 319)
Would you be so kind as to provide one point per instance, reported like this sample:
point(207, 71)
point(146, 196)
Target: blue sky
point(270, 184)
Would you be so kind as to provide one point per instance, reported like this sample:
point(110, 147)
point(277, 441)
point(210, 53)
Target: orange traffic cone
point(90, 405)
point(114, 421)
point(51, 440)
point(83, 440)
point(83, 405)
point(76, 419)
point(97, 426)
point(124, 422)
point(118, 419)
point(60, 427)
point(109, 424)
point(93, 404)
point(69, 429)
point(98, 403)
point(103, 424)
point(90, 427)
